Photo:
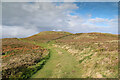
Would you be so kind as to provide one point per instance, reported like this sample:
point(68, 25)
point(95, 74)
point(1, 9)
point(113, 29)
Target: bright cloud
point(98, 20)
point(17, 31)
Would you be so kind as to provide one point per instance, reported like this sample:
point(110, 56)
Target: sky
point(23, 19)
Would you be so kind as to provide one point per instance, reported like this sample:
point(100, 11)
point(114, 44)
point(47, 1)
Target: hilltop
point(46, 36)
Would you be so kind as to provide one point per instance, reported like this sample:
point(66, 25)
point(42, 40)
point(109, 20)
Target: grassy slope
point(57, 66)
point(77, 55)
point(47, 36)
point(60, 65)
point(96, 52)
point(97, 56)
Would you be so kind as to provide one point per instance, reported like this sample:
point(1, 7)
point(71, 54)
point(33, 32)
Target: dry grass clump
point(97, 53)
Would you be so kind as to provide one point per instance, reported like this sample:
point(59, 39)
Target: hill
point(97, 53)
point(80, 55)
point(46, 36)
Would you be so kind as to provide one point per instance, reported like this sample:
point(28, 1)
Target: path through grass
point(60, 65)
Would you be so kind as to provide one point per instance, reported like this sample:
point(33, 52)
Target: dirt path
point(60, 65)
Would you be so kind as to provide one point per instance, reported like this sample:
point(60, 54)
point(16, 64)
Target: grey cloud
point(24, 19)
point(43, 16)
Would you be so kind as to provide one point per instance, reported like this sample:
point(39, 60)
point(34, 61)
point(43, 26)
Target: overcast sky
point(24, 19)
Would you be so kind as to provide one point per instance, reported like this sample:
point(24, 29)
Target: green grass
point(81, 58)
point(64, 65)
point(59, 65)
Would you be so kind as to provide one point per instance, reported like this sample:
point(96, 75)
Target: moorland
point(51, 54)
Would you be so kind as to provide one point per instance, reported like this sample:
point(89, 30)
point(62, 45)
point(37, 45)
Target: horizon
point(60, 31)
point(26, 19)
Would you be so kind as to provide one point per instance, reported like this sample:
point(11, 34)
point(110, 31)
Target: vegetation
point(80, 55)
point(46, 36)
point(21, 59)
point(97, 53)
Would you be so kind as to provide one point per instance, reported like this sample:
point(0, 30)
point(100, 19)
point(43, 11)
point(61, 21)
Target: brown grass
point(19, 54)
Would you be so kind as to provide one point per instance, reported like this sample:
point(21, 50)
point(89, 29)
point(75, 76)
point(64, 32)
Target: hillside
point(97, 53)
point(18, 57)
point(80, 55)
